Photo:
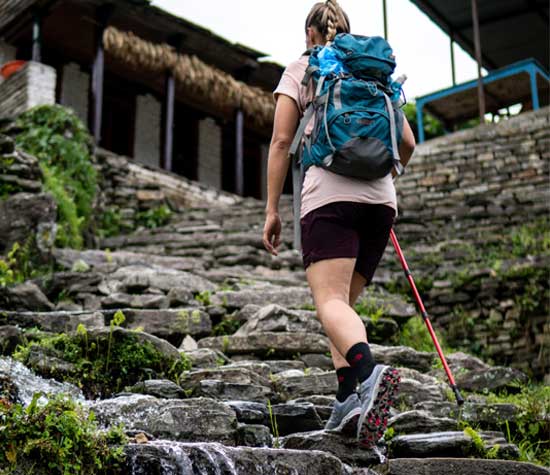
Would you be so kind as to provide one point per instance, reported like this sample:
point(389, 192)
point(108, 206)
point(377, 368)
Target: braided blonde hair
point(329, 19)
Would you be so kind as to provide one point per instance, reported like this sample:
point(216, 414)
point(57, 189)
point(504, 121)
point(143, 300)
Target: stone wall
point(131, 188)
point(474, 182)
point(210, 153)
point(75, 89)
point(33, 85)
point(148, 126)
point(474, 209)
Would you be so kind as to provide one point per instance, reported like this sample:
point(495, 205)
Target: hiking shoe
point(377, 394)
point(344, 415)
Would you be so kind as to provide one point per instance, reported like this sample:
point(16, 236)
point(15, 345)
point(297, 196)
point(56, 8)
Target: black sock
point(347, 381)
point(360, 358)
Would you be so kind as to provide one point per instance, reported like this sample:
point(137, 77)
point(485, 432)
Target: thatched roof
point(194, 78)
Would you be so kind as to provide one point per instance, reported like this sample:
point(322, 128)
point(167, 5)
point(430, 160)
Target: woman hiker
point(345, 225)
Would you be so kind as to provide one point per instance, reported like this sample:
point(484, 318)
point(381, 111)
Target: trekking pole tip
point(458, 396)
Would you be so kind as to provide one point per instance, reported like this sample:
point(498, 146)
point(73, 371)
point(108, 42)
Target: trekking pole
point(425, 317)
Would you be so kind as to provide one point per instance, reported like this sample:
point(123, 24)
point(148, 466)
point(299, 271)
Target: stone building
point(150, 85)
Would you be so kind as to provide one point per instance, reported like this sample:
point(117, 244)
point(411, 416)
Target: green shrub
point(154, 218)
point(58, 438)
point(102, 365)
point(414, 333)
point(62, 145)
point(530, 430)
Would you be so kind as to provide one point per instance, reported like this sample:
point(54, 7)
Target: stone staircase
point(261, 384)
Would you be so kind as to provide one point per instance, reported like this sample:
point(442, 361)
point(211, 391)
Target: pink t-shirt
point(321, 186)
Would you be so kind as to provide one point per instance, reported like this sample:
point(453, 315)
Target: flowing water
point(27, 383)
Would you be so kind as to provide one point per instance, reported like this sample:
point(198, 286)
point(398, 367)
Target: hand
point(272, 233)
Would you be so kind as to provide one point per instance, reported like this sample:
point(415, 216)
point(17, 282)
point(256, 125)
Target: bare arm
point(406, 148)
point(284, 128)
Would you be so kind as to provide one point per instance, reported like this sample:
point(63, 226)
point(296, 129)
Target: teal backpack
point(356, 109)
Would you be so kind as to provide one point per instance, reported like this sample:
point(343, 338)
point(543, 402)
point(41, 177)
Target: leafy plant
point(155, 217)
point(273, 422)
point(415, 334)
point(102, 365)
point(62, 145)
point(203, 298)
point(58, 438)
point(530, 430)
point(227, 326)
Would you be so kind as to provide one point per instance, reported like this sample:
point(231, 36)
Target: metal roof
point(510, 30)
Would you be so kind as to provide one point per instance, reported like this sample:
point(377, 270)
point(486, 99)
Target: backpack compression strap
point(393, 133)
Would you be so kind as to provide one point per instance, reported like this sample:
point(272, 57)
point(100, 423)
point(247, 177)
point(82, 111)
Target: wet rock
point(55, 322)
point(201, 459)
point(25, 296)
point(228, 391)
point(188, 344)
point(411, 392)
point(448, 444)
point(258, 367)
point(268, 344)
point(108, 261)
point(25, 383)
point(289, 297)
point(420, 421)
point(491, 379)
point(206, 358)
point(344, 448)
point(170, 324)
point(274, 318)
point(461, 466)
point(136, 278)
point(254, 435)
point(160, 388)
point(10, 337)
point(459, 361)
point(321, 361)
point(293, 387)
point(21, 216)
point(121, 300)
point(250, 412)
point(278, 366)
point(178, 296)
point(197, 420)
point(228, 374)
point(403, 356)
point(292, 418)
point(161, 345)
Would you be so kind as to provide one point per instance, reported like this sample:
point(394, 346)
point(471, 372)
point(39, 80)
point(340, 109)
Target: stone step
point(450, 444)
point(205, 458)
point(454, 466)
point(191, 420)
point(265, 344)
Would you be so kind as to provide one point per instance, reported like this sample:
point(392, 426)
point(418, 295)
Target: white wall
point(75, 89)
point(210, 153)
point(32, 85)
point(148, 131)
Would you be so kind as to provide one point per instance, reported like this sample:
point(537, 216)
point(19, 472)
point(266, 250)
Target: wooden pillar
point(385, 11)
point(103, 14)
point(169, 107)
point(168, 120)
point(37, 36)
point(239, 152)
point(477, 42)
point(453, 67)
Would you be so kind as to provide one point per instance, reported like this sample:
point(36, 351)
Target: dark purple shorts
point(346, 229)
